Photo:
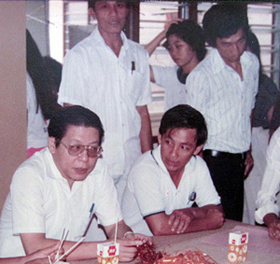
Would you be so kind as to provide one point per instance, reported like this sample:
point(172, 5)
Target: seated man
point(164, 184)
point(56, 188)
point(268, 209)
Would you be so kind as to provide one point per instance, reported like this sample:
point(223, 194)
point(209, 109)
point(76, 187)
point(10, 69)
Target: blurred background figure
point(267, 208)
point(43, 75)
point(186, 46)
point(262, 114)
point(275, 120)
point(53, 70)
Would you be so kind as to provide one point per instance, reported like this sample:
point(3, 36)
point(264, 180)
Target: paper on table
point(258, 239)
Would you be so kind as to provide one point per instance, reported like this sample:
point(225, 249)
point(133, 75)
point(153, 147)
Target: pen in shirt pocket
point(192, 197)
point(91, 211)
point(132, 66)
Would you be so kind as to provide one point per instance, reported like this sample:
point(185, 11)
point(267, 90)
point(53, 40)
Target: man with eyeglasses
point(61, 188)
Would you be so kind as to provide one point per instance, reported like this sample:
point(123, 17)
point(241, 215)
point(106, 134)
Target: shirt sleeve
point(162, 75)
point(205, 191)
point(73, 81)
point(144, 184)
point(197, 90)
point(107, 207)
point(146, 95)
point(266, 200)
point(27, 202)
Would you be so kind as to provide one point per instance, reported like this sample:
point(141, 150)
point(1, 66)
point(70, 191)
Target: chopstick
point(62, 239)
point(116, 232)
point(70, 249)
point(49, 258)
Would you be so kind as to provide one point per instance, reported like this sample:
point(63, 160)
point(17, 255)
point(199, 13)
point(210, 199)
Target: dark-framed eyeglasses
point(77, 150)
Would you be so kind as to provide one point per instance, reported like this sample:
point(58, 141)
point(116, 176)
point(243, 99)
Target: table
point(261, 249)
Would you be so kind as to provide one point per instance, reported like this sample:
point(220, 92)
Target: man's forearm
point(36, 241)
point(207, 219)
point(122, 230)
point(146, 130)
point(152, 45)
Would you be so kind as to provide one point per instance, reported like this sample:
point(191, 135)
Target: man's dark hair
point(91, 3)
point(184, 116)
point(190, 32)
point(224, 20)
point(73, 116)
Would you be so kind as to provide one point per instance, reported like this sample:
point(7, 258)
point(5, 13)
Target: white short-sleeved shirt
point(40, 201)
point(150, 189)
point(267, 196)
point(175, 91)
point(37, 128)
point(94, 77)
point(225, 100)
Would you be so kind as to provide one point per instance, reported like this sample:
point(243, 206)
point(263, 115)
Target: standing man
point(223, 88)
point(109, 74)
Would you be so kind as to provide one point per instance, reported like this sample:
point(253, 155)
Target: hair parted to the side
point(76, 116)
point(224, 20)
point(190, 32)
point(91, 3)
point(184, 116)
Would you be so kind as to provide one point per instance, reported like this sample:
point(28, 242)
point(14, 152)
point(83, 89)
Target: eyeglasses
point(77, 150)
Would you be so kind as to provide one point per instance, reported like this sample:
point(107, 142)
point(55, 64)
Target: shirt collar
point(220, 64)
point(97, 38)
point(50, 163)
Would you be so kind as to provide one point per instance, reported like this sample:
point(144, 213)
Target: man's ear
point(51, 145)
point(159, 138)
point(91, 12)
point(198, 149)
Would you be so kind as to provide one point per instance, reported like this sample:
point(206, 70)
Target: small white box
point(238, 247)
point(108, 253)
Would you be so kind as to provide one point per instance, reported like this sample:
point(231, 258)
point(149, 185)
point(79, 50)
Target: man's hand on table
point(274, 229)
point(179, 220)
point(41, 256)
point(196, 219)
point(128, 245)
point(215, 219)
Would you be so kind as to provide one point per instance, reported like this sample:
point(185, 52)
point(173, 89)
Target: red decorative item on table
point(148, 255)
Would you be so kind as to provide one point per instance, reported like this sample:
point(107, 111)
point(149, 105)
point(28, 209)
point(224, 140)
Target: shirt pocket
point(133, 85)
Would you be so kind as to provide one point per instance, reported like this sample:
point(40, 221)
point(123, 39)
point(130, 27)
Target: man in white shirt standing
point(109, 74)
point(223, 88)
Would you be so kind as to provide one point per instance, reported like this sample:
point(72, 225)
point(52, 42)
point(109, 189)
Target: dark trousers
point(227, 172)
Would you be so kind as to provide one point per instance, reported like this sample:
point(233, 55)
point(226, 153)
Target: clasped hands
point(201, 219)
